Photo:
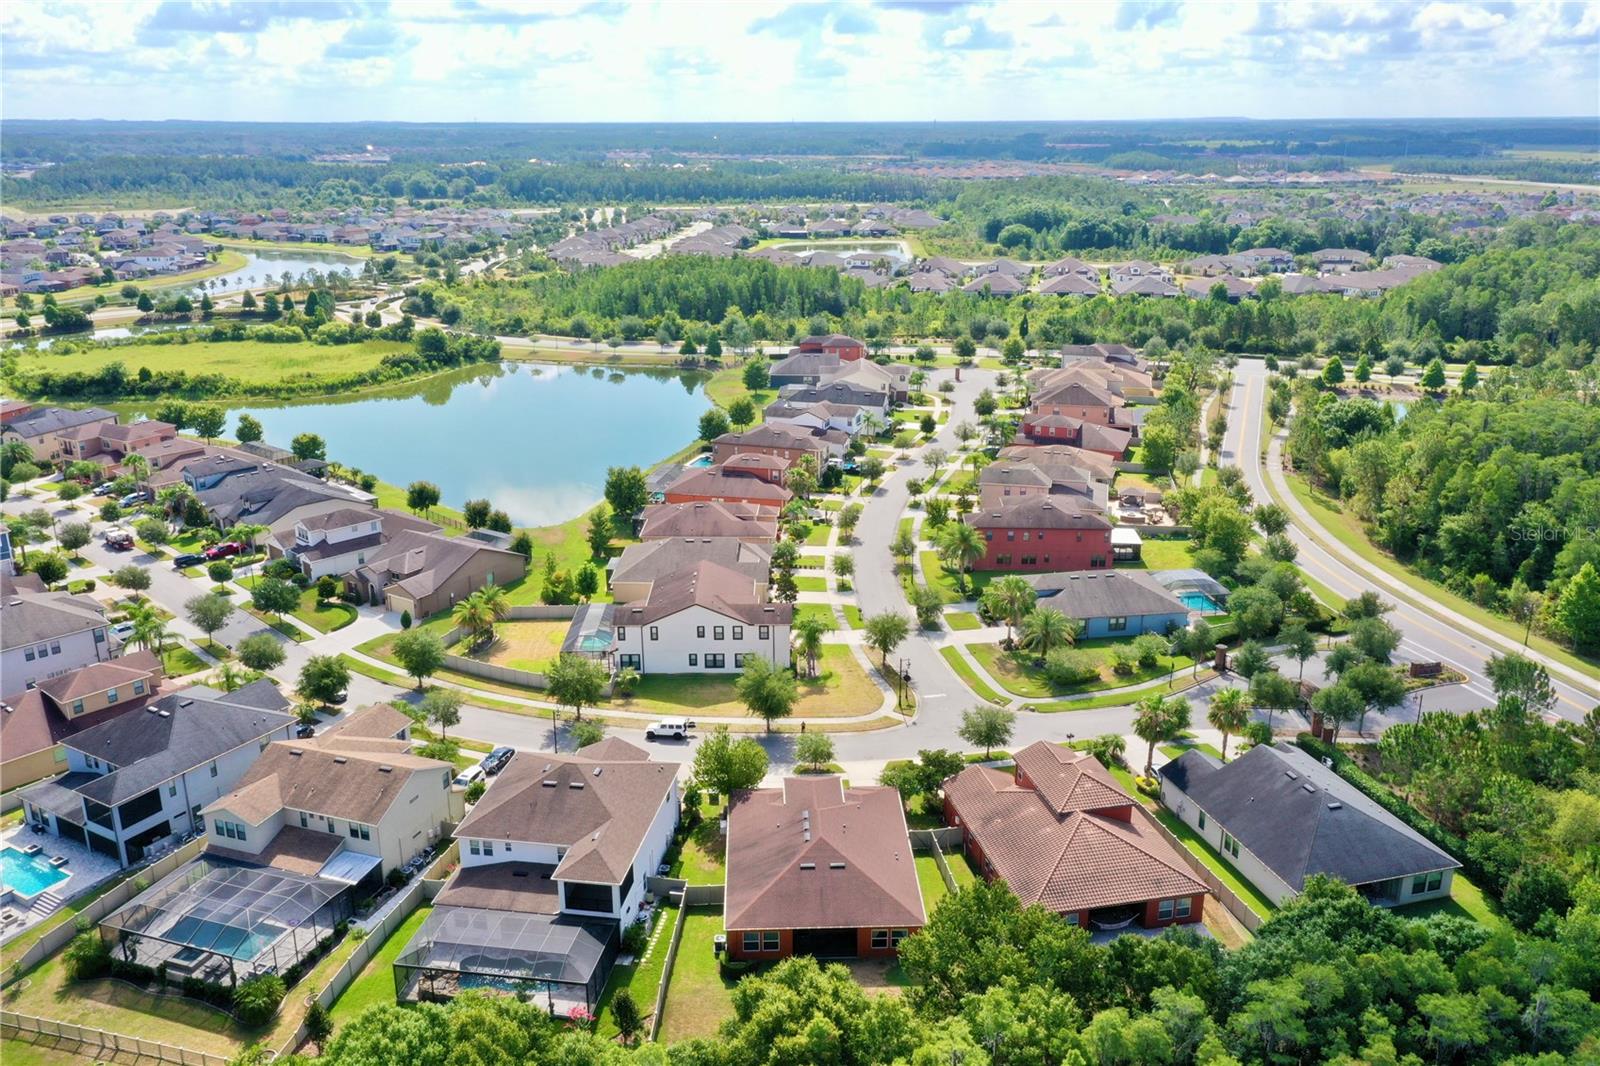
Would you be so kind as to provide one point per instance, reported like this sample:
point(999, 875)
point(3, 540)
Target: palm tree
point(149, 628)
point(1012, 598)
point(1156, 719)
point(472, 615)
point(138, 467)
point(1228, 713)
point(174, 500)
point(960, 545)
point(497, 601)
point(1045, 629)
point(809, 631)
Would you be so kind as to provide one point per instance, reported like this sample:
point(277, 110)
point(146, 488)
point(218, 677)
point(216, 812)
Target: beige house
point(349, 805)
point(425, 573)
point(34, 721)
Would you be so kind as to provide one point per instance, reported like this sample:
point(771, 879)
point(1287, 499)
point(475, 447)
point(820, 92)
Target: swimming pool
point(242, 944)
point(28, 875)
point(1199, 601)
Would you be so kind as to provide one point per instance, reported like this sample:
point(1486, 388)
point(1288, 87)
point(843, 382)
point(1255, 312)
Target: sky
point(758, 60)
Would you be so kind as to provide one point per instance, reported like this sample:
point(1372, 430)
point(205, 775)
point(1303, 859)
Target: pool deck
point(86, 869)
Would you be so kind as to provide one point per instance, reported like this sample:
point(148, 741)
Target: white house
point(47, 634)
point(353, 802)
point(334, 542)
point(142, 780)
point(704, 618)
point(1280, 816)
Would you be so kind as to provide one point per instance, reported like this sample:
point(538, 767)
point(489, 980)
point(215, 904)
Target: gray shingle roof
point(1105, 594)
point(29, 617)
point(1300, 818)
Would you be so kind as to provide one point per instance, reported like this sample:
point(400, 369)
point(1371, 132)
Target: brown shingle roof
point(97, 677)
point(1040, 512)
point(714, 483)
point(598, 809)
point(815, 855)
point(524, 887)
point(296, 850)
point(380, 721)
point(706, 519)
point(1051, 847)
point(708, 585)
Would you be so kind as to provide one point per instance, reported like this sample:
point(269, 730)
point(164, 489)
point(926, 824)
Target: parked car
point(469, 775)
point(132, 499)
point(105, 488)
point(122, 630)
point(119, 540)
point(305, 730)
point(224, 550)
point(496, 760)
point(187, 559)
point(669, 729)
point(338, 698)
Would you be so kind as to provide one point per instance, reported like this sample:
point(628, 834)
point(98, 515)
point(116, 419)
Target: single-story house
point(1112, 603)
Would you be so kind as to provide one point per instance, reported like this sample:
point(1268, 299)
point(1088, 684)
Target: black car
point(338, 699)
point(307, 730)
point(187, 559)
point(496, 760)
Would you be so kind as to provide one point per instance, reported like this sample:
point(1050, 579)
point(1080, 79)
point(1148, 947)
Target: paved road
point(1430, 634)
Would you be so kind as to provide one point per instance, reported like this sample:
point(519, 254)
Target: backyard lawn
point(1015, 672)
point(522, 645)
point(1466, 900)
point(841, 690)
point(374, 985)
point(700, 860)
point(931, 880)
point(699, 998)
point(642, 976)
point(1216, 863)
point(1165, 554)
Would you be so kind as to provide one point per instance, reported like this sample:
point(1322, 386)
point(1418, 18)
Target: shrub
point(1066, 667)
point(256, 1000)
point(635, 937)
point(476, 790)
point(87, 957)
point(1122, 660)
point(1148, 649)
point(405, 619)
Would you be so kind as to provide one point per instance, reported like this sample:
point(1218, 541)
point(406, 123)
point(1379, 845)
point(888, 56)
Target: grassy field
point(522, 645)
point(699, 998)
point(841, 690)
point(1166, 554)
point(701, 859)
point(374, 985)
point(931, 880)
point(1015, 672)
point(355, 251)
point(249, 362)
point(811, 583)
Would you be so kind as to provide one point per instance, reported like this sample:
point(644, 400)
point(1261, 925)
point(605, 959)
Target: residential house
point(424, 573)
point(1280, 816)
point(235, 488)
point(1112, 603)
point(703, 618)
point(1078, 398)
point(1061, 833)
point(1235, 288)
point(109, 443)
point(1070, 284)
point(139, 782)
point(1072, 265)
point(48, 634)
point(707, 518)
point(844, 393)
point(553, 866)
point(1007, 479)
point(816, 868)
point(1144, 285)
point(1042, 533)
point(34, 720)
point(842, 418)
point(42, 429)
point(847, 349)
point(640, 566)
point(333, 538)
point(996, 283)
point(781, 440)
point(719, 485)
point(352, 804)
point(1044, 428)
point(1064, 461)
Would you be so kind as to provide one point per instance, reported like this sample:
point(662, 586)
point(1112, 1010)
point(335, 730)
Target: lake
point(265, 267)
point(534, 439)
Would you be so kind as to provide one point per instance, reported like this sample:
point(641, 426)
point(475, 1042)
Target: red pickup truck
point(224, 550)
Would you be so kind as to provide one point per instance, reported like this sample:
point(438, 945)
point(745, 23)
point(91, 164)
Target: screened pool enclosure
point(556, 962)
point(224, 923)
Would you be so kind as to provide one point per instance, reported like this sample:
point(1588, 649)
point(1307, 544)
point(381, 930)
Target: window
point(473, 848)
point(172, 791)
point(716, 662)
point(213, 769)
point(752, 941)
point(738, 632)
point(138, 688)
point(769, 940)
point(622, 634)
point(764, 632)
point(1097, 562)
point(360, 832)
point(304, 821)
point(1116, 625)
point(1003, 559)
point(55, 647)
point(880, 939)
point(331, 827)
point(1011, 534)
point(99, 636)
point(694, 660)
point(700, 632)
point(655, 632)
point(1164, 911)
point(27, 653)
point(718, 633)
point(111, 696)
point(1230, 845)
point(1183, 907)
point(1030, 560)
point(488, 847)
point(629, 660)
point(1202, 822)
point(738, 660)
point(1427, 882)
point(1072, 919)
point(897, 936)
point(77, 706)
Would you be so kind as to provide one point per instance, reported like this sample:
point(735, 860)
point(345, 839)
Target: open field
point(522, 645)
point(841, 690)
point(249, 362)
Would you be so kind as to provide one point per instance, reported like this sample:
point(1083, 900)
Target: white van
point(669, 729)
point(469, 775)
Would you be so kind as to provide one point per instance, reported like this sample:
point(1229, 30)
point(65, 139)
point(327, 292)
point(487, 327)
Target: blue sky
point(594, 60)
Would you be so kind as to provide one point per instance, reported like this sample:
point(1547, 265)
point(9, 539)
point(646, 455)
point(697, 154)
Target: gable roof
point(29, 617)
point(1039, 512)
point(653, 560)
point(706, 518)
point(815, 855)
point(713, 587)
point(416, 562)
point(33, 720)
point(714, 481)
point(1299, 818)
point(1049, 844)
point(599, 809)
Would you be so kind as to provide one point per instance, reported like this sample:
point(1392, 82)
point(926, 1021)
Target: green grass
point(248, 362)
point(931, 880)
point(226, 263)
point(964, 670)
point(811, 583)
point(943, 581)
point(819, 536)
point(355, 251)
point(1015, 672)
point(177, 661)
point(393, 498)
point(962, 620)
point(921, 814)
point(1125, 699)
point(374, 985)
point(324, 616)
point(641, 977)
point(700, 859)
point(22, 1053)
point(1347, 529)
point(1466, 900)
point(842, 689)
point(1217, 864)
point(852, 616)
point(815, 610)
point(699, 998)
point(1165, 554)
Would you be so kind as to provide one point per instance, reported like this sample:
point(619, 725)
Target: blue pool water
point(28, 875)
point(222, 939)
point(1199, 601)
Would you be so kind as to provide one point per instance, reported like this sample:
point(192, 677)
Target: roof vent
point(186, 703)
point(1290, 774)
point(808, 866)
point(1335, 806)
point(1309, 787)
point(597, 770)
point(340, 759)
point(836, 866)
point(296, 752)
point(548, 783)
point(385, 769)
point(574, 784)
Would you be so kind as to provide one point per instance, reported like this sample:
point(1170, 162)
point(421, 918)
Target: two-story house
point(704, 618)
point(337, 540)
point(141, 781)
point(353, 801)
point(1043, 533)
point(41, 428)
point(47, 634)
point(35, 720)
